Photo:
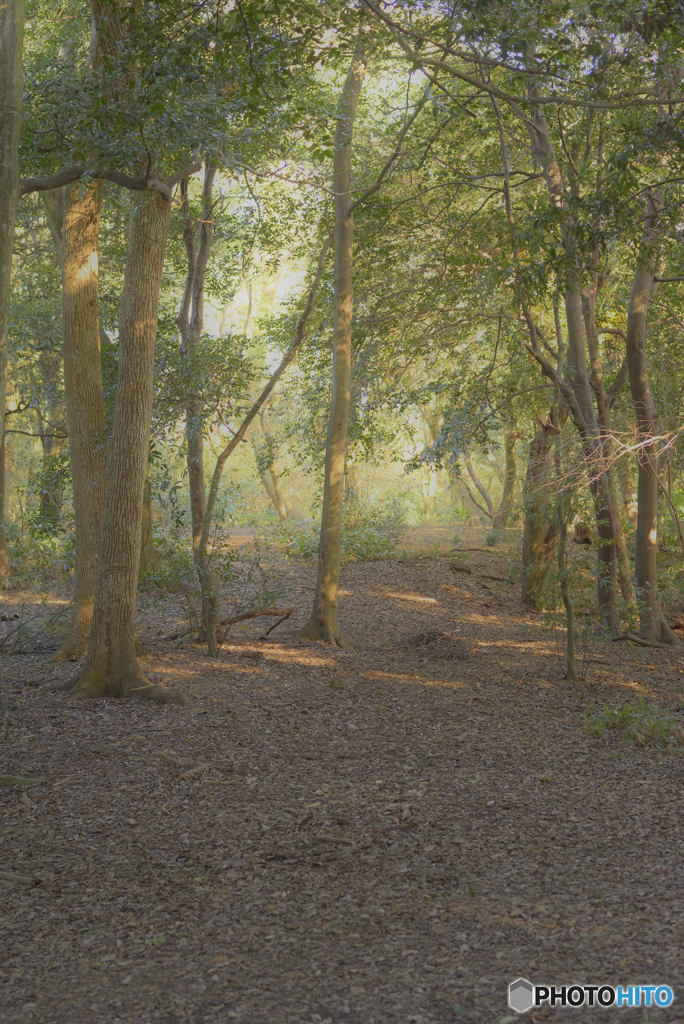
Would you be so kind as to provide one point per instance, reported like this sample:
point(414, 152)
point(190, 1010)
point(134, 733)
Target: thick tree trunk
point(652, 623)
point(541, 524)
point(85, 408)
point(11, 84)
point(510, 475)
point(111, 668)
point(322, 624)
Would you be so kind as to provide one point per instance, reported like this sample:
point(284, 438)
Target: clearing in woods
point(386, 835)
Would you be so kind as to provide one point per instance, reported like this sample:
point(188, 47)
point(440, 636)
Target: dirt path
point(382, 837)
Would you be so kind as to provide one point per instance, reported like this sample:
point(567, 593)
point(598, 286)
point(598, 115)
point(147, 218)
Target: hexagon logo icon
point(521, 995)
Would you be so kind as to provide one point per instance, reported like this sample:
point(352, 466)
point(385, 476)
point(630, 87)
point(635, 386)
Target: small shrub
point(641, 725)
point(371, 531)
point(38, 559)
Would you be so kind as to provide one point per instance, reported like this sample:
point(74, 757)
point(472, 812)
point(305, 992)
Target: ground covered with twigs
point(383, 836)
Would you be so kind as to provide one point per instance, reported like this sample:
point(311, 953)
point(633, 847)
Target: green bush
point(640, 724)
point(38, 559)
point(370, 531)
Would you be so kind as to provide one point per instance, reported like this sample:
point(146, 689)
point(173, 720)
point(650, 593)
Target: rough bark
point(147, 553)
point(111, 668)
point(11, 81)
point(322, 624)
point(84, 396)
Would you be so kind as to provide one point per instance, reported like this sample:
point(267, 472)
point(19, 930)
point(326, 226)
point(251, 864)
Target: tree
point(85, 406)
point(11, 71)
point(322, 623)
point(111, 667)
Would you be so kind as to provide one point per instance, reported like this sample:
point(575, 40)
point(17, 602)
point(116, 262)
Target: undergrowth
point(641, 725)
point(370, 531)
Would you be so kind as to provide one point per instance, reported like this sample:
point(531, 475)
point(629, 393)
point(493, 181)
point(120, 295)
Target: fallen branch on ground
point(283, 613)
point(638, 640)
point(9, 876)
point(280, 613)
point(17, 780)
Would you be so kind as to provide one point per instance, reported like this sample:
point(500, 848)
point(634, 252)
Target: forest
point(341, 376)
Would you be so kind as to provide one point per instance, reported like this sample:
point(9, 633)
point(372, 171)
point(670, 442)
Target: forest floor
point(388, 835)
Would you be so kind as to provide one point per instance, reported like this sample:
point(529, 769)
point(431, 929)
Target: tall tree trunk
point(190, 322)
point(578, 372)
point(322, 624)
point(111, 668)
point(85, 407)
point(510, 475)
point(652, 623)
point(11, 85)
point(612, 552)
point(541, 522)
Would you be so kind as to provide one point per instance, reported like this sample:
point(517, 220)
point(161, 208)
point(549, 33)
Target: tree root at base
point(95, 688)
point(334, 639)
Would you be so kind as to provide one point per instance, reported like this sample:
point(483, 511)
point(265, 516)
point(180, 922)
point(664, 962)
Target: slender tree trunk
point(11, 85)
point(541, 523)
point(482, 490)
point(612, 552)
point(652, 623)
point(84, 396)
point(322, 624)
point(204, 555)
point(578, 372)
point(190, 322)
point(111, 668)
point(510, 475)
